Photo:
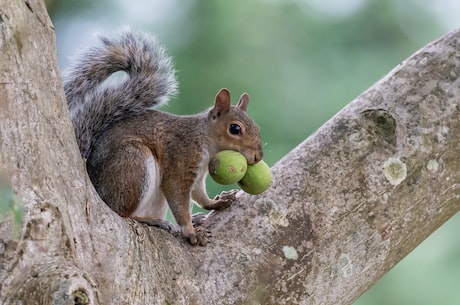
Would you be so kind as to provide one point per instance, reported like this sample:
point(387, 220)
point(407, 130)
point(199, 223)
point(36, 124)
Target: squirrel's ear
point(221, 105)
point(243, 102)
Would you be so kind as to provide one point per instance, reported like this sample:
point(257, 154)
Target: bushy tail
point(95, 103)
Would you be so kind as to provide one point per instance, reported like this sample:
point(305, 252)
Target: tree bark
point(345, 206)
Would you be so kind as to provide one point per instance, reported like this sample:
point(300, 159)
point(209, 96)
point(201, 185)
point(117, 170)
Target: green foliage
point(9, 203)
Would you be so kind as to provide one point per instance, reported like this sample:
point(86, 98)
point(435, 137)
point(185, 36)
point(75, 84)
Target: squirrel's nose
point(254, 157)
point(258, 156)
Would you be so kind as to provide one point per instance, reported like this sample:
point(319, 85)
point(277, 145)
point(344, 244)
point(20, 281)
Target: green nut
point(227, 167)
point(257, 179)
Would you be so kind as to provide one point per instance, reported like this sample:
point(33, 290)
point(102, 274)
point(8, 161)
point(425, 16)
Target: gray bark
point(345, 206)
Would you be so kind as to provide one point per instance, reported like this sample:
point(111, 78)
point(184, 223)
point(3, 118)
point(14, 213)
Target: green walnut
point(257, 179)
point(227, 167)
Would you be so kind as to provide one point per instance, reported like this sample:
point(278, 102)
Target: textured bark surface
point(345, 206)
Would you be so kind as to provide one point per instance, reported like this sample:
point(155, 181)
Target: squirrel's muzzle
point(256, 157)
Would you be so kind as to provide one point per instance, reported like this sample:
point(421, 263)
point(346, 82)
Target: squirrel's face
point(233, 129)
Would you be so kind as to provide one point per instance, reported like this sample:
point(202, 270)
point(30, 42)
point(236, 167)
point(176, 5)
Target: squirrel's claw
point(202, 236)
point(199, 219)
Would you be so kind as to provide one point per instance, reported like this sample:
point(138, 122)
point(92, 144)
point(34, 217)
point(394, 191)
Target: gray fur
point(95, 105)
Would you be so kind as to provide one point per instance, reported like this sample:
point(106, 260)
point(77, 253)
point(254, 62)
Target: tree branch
point(345, 205)
point(356, 197)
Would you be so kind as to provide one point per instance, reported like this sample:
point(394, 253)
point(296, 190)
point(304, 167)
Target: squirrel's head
point(233, 129)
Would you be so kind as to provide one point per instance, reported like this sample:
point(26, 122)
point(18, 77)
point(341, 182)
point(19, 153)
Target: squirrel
point(139, 159)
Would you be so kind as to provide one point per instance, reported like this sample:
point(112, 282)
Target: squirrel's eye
point(235, 129)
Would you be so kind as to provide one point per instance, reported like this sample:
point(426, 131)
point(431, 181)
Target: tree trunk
point(345, 206)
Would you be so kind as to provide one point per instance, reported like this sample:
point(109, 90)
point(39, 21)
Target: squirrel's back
point(95, 105)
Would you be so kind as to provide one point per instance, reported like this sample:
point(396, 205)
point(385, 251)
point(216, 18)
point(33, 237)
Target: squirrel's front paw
point(200, 237)
point(203, 236)
point(225, 199)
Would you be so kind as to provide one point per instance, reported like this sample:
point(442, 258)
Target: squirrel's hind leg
point(162, 224)
point(128, 180)
point(152, 205)
point(118, 174)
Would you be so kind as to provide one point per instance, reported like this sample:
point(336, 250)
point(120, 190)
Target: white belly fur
point(153, 203)
point(200, 179)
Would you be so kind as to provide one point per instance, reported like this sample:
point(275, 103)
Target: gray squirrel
point(141, 160)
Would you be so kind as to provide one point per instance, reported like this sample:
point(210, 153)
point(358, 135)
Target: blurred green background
point(301, 61)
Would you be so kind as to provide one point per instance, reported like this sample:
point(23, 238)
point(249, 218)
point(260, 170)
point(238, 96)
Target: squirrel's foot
point(162, 224)
point(224, 200)
point(199, 219)
point(201, 237)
